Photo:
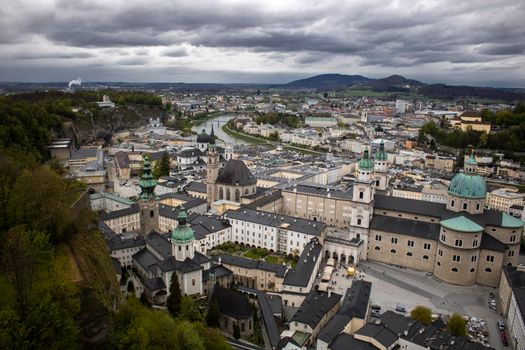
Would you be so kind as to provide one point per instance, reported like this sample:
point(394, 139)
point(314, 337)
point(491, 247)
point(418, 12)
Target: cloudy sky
point(479, 42)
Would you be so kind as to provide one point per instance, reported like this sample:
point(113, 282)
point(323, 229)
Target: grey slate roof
point(146, 259)
point(265, 200)
point(134, 209)
point(355, 302)
point(279, 270)
point(314, 307)
point(320, 190)
point(171, 264)
point(190, 152)
point(116, 242)
point(232, 303)
point(219, 270)
point(269, 321)
point(409, 227)
point(155, 284)
point(290, 223)
point(379, 332)
point(159, 243)
point(408, 205)
point(172, 212)
point(235, 172)
point(195, 186)
point(300, 275)
point(515, 277)
point(336, 325)
point(490, 243)
point(347, 342)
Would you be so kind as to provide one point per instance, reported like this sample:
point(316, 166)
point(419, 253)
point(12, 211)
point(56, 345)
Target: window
point(475, 243)
point(477, 206)
point(242, 326)
point(438, 264)
point(359, 221)
point(511, 253)
point(456, 258)
point(440, 252)
point(458, 243)
point(151, 213)
point(377, 248)
point(474, 258)
point(427, 246)
point(361, 195)
point(394, 240)
point(425, 257)
point(512, 238)
point(393, 251)
point(410, 243)
point(193, 282)
point(465, 206)
point(490, 258)
point(454, 269)
point(378, 237)
point(443, 238)
point(452, 203)
point(488, 269)
point(409, 254)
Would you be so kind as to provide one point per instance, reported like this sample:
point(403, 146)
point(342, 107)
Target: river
point(217, 123)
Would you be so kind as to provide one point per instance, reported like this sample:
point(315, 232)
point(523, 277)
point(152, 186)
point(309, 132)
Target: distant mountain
point(398, 83)
point(327, 81)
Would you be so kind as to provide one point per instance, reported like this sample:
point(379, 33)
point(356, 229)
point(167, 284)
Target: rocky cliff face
point(94, 124)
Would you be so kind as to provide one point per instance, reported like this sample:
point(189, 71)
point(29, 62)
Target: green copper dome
point(366, 163)
point(147, 183)
point(468, 185)
point(183, 233)
point(381, 154)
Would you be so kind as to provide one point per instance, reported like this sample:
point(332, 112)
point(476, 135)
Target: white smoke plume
point(77, 81)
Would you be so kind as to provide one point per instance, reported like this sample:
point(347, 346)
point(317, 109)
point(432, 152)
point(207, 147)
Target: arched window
point(409, 254)
point(425, 257)
point(454, 269)
point(472, 269)
point(488, 269)
point(392, 251)
point(246, 191)
point(237, 195)
point(193, 282)
point(228, 194)
point(377, 248)
point(452, 203)
point(221, 193)
point(438, 263)
point(151, 213)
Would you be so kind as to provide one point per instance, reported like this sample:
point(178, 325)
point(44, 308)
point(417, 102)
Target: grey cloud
point(176, 52)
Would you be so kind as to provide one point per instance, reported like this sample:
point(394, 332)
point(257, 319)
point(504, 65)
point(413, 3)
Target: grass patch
point(256, 253)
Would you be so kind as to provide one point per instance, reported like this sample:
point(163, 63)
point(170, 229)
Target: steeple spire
point(147, 183)
point(212, 135)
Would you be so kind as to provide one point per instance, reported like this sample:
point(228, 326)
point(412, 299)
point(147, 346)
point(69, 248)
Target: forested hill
point(30, 120)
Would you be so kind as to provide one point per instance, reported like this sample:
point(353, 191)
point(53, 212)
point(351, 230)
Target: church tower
point(364, 185)
point(149, 209)
point(212, 171)
point(182, 238)
point(381, 168)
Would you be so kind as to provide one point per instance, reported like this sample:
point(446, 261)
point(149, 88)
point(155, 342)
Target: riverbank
point(258, 141)
point(248, 138)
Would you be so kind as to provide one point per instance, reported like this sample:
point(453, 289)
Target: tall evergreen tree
point(174, 300)
point(212, 317)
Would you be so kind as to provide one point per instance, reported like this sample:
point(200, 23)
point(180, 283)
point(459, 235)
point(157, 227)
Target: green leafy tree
point(457, 325)
point(144, 299)
point(189, 310)
point(422, 314)
point(212, 317)
point(175, 298)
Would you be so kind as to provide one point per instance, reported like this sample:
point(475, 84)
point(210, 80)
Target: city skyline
point(457, 42)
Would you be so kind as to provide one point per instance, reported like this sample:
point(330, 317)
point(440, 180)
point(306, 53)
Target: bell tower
point(212, 171)
point(149, 209)
point(381, 168)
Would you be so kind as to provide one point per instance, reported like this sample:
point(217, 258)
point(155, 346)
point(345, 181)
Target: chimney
point(219, 260)
point(329, 290)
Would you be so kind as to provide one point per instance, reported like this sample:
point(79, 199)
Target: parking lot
point(393, 286)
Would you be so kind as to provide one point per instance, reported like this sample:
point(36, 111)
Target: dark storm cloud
point(405, 34)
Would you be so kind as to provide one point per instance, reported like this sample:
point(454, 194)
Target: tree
point(144, 299)
point(236, 331)
point(163, 166)
point(422, 314)
point(189, 310)
point(457, 325)
point(212, 317)
point(175, 298)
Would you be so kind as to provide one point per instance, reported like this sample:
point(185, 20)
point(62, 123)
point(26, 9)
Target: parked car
point(400, 308)
point(375, 313)
point(501, 325)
